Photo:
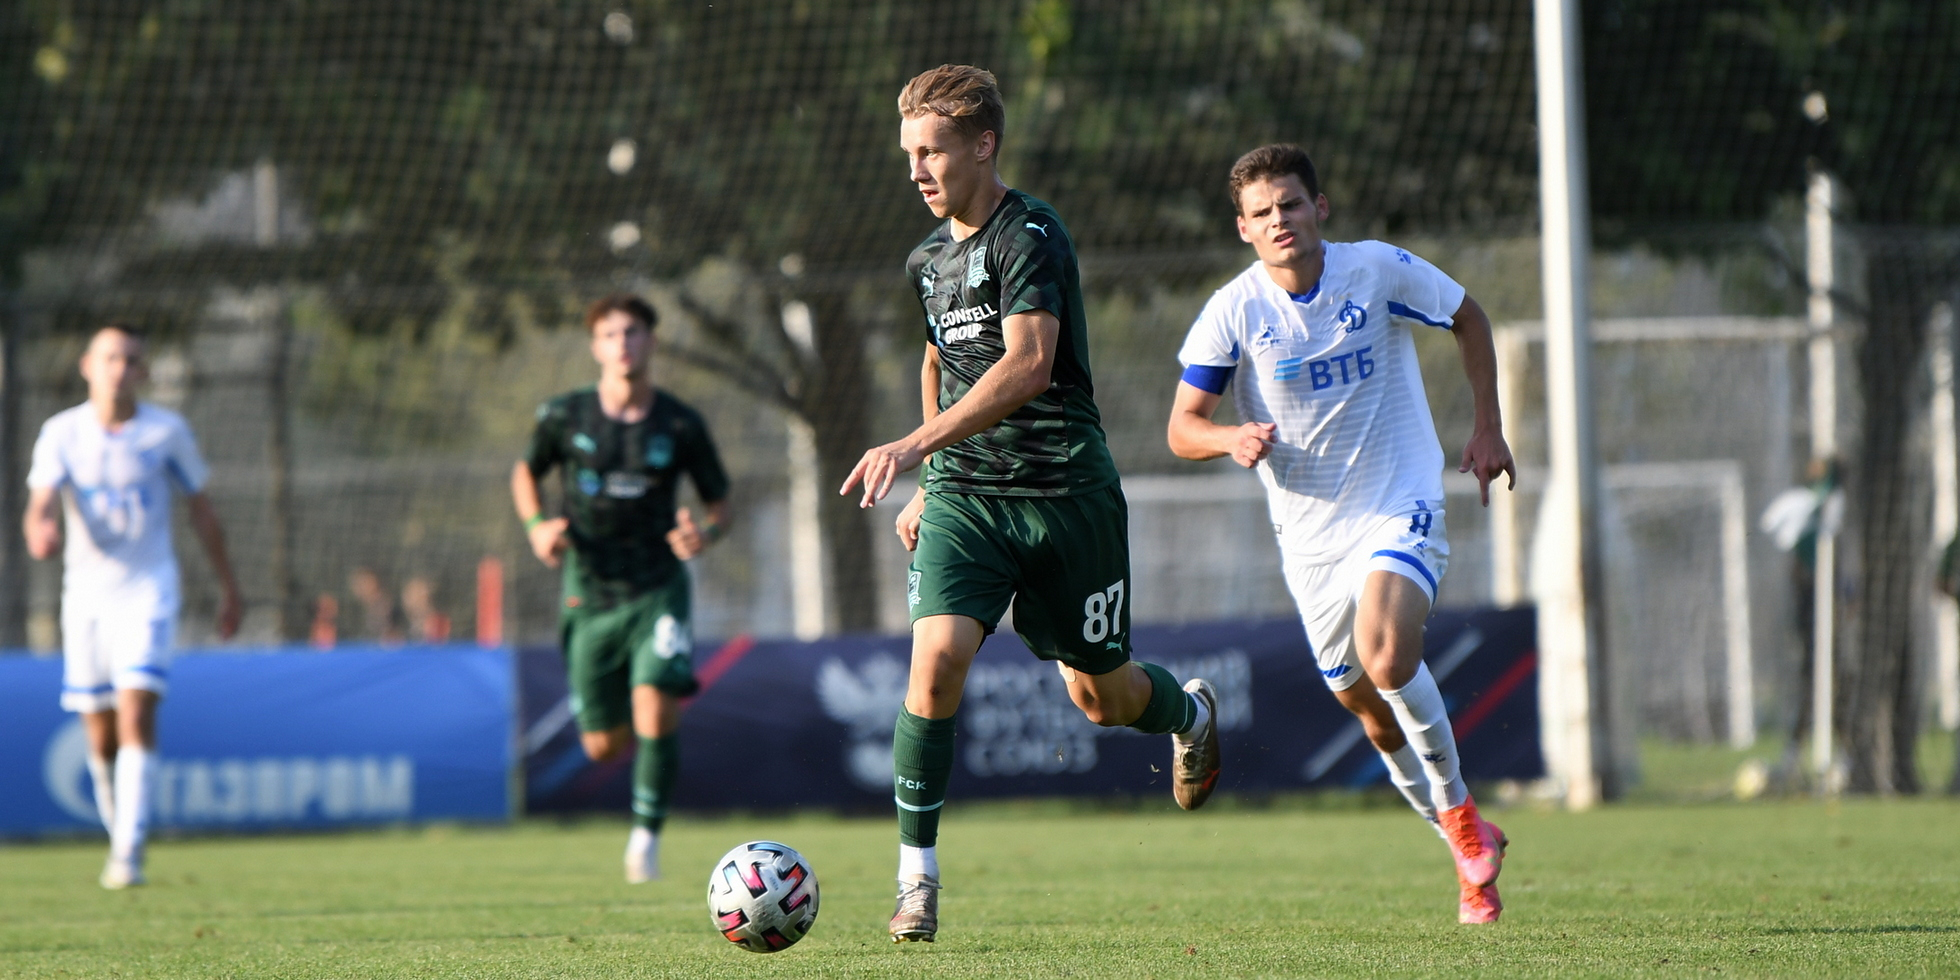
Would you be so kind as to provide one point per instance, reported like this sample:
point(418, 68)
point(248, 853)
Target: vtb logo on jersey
point(1351, 317)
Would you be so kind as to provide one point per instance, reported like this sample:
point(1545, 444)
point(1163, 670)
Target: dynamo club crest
point(1352, 317)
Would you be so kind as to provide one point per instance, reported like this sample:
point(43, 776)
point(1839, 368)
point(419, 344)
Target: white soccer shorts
point(1413, 545)
point(117, 645)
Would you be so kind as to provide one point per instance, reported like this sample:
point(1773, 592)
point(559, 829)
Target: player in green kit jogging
point(1020, 501)
point(623, 446)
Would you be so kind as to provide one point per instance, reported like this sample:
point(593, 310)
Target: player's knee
point(1385, 738)
point(602, 746)
point(1099, 713)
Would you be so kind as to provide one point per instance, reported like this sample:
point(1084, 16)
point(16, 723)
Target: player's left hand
point(687, 539)
point(879, 469)
point(1486, 455)
point(231, 609)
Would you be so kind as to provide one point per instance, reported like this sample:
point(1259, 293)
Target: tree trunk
point(1877, 704)
point(836, 401)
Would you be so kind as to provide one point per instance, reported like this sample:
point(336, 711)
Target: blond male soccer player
point(622, 446)
point(1316, 340)
point(113, 465)
point(1020, 502)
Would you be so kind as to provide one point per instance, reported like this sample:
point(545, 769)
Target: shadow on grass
point(1860, 930)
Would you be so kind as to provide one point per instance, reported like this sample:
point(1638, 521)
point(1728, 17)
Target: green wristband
point(712, 532)
point(533, 521)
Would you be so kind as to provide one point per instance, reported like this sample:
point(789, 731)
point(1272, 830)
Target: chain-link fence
point(361, 232)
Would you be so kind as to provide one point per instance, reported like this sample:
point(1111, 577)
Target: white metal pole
point(1819, 256)
point(1735, 602)
point(1570, 634)
point(1946, 515)
point(806, 571)
point(808, 585)
point(1506, 529)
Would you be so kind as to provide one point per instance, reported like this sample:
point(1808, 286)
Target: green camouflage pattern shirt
point(619, 484)
point(1021, 260)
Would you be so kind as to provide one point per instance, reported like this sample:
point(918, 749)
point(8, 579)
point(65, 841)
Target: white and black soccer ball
point(763, 896)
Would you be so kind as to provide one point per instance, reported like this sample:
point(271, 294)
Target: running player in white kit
point(1318, 336)
point(115, 463)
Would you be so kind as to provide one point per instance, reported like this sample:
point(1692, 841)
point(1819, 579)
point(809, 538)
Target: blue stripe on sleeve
point(1207, 377)
point(1414, 314)
point(177, 473)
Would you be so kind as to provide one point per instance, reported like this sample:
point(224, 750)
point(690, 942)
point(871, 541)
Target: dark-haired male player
point(1316, 339)
point(623, 446)
point(1020, 502)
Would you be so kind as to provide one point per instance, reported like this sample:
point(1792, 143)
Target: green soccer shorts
point(1064, 563)
point(648, 639)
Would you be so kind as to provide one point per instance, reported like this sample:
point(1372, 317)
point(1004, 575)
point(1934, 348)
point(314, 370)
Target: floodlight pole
point(1819, 261)
point(1946, 515)
point(1571, 630)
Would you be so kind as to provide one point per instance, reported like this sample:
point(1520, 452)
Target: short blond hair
point(969, 96)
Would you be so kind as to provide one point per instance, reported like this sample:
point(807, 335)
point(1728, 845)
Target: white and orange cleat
point(1475, 843)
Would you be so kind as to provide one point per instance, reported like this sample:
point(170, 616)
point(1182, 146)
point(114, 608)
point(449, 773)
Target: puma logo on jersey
point(925, 285)
point(1040, 228)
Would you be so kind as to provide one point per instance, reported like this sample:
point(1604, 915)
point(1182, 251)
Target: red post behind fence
point(489, 602)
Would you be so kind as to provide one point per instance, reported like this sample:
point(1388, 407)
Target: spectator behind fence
point(426, 623)
point(380, 619)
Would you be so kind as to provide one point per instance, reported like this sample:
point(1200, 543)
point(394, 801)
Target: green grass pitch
point(1775, 889)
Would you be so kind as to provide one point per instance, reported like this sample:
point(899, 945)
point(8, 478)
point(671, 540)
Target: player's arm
point(42, 522)
point(907, 524)
point(1486, 454)
point(211, 534)
point(688, 537)
point(548, 540)
point(1193, 435)
point(1023, 372)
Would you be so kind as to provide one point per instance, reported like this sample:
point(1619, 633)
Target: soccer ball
point(763, 896)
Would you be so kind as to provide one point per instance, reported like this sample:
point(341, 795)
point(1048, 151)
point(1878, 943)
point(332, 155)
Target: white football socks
point(642, 856)
point(101, 773)
point(1419, 708)
point(916, 861)
point(135, 775)
point(1406, 772)
point(1202, 714)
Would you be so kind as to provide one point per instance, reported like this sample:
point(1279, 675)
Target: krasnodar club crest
point(660, 450)
point(976, 268)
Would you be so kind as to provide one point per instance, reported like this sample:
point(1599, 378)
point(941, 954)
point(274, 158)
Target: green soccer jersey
point(1021, 260)
point(619, 484)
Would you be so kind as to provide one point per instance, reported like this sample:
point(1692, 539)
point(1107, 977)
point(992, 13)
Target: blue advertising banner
point(280, 739)
point(783, 724)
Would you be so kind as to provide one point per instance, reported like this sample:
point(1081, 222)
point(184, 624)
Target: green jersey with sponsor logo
point(619, 484)
point(1021, 260)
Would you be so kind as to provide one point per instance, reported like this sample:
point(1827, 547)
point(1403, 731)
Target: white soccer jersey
point(119, 491)
point(1336, 371)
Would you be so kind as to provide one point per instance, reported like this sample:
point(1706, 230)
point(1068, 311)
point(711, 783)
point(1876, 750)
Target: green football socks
point(922, 764)
point(1170, 709)
point(654, 769)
